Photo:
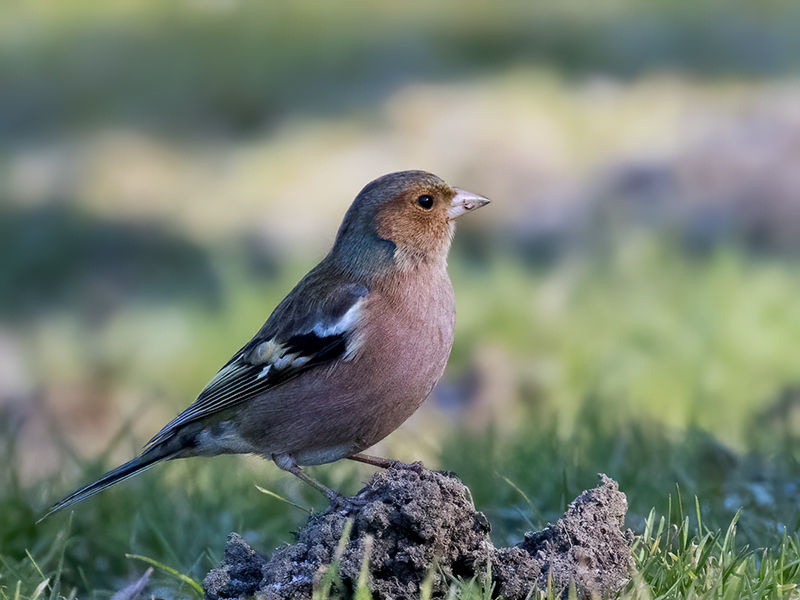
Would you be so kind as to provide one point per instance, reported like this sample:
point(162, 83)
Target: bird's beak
point(464, 202)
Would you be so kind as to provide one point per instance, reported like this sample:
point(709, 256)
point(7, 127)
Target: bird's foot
point(346, 504)
point(415, 466)
point(285, 462)
point(334, 497)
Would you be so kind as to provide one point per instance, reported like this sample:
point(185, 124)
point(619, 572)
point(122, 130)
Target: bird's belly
point(321, 456)
point(341, 421)
point(334, 412)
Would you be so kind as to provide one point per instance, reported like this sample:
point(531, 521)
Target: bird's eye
point(425, 202)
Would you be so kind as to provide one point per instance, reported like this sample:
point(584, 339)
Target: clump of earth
point(409, 518)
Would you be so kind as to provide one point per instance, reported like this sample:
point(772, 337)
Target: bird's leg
point(377, 461)
point(285, 462)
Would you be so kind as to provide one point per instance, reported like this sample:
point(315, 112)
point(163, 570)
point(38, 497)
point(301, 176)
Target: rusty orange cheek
point(405, 225)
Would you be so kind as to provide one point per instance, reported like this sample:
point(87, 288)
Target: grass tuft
point(195, 585)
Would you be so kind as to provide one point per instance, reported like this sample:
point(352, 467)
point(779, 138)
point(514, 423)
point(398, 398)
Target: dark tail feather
point(129, 469)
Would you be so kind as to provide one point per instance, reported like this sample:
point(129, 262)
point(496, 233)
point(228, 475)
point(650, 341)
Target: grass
point(612, 376)
point(675, 560)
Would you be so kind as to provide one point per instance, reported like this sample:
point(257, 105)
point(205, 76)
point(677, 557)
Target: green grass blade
point(170, 571)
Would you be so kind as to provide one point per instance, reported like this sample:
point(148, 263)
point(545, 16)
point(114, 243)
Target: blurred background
point(628, 303)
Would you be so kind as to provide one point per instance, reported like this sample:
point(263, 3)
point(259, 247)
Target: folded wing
point(311, 327)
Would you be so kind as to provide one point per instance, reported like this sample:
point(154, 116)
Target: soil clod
point(410, 524)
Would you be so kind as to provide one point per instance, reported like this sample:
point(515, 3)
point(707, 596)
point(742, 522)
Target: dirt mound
point(407, 519)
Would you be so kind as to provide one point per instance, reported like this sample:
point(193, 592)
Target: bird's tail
point(144, 461)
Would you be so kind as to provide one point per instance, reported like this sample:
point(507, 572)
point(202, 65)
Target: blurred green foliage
point(230, 66)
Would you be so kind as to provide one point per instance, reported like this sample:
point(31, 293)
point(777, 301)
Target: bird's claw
point(414, 466)
point(339, 502)
point(334, 497)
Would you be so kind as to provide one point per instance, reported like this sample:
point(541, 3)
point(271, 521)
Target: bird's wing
point(309, 328)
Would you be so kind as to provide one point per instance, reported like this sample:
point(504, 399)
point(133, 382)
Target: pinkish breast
point(334, 411)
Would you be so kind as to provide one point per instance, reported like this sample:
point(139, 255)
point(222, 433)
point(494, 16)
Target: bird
point(346, 357)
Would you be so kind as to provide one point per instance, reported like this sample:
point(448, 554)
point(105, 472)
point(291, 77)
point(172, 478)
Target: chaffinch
point(347, 356)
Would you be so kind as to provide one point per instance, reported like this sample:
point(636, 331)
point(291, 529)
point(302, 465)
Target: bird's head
point(406, 218)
